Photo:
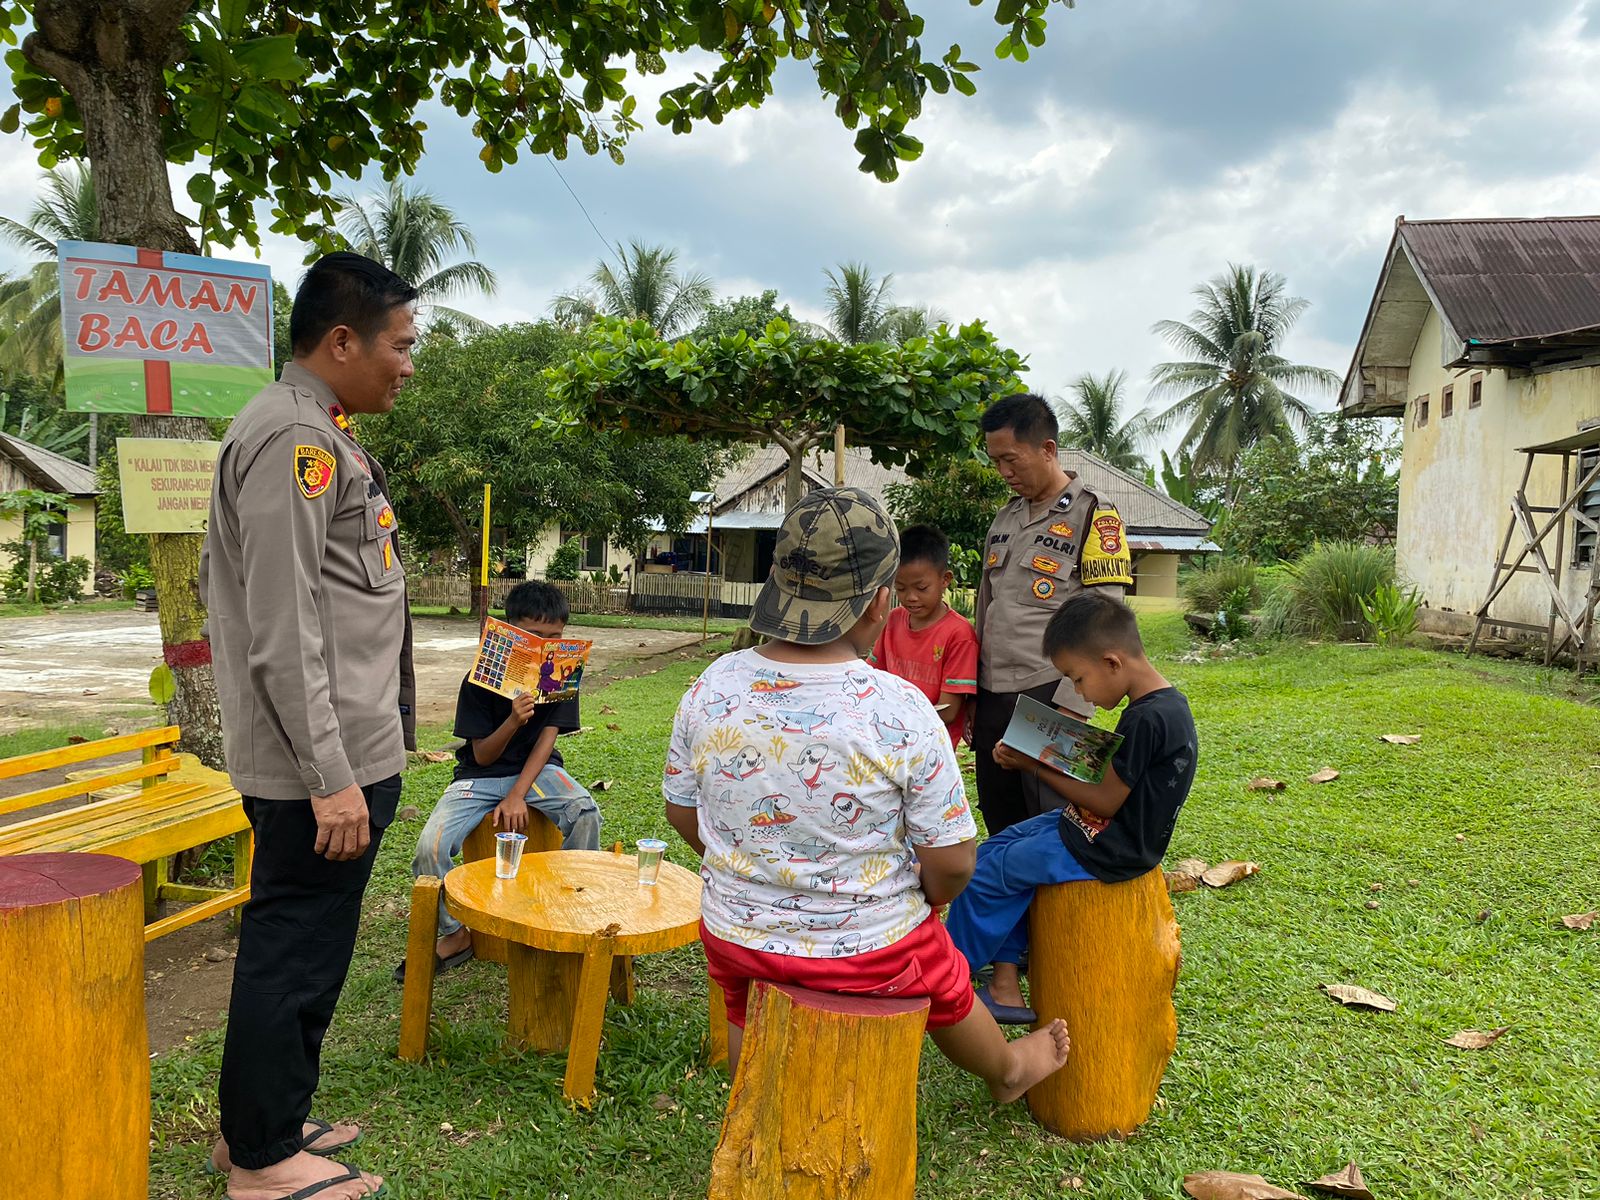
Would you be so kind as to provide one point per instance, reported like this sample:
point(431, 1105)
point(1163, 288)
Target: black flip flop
point(351, 1175)
point(319, 1128)
point(1007, 1014)
point(440, 965)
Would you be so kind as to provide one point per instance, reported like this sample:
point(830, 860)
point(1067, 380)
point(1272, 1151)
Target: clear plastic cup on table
point(508, 854)
point(650, 851)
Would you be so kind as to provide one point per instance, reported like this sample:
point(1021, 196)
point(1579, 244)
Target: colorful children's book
point(1060, 742)
point(512, 661)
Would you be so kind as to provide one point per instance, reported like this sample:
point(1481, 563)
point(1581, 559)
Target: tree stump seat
point(1105, 957)
point(824, 1101)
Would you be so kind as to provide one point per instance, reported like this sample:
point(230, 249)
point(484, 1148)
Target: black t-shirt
point(1156, 760)
point(479, 712)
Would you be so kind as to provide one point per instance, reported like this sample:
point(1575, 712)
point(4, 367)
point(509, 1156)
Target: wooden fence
point(679, 594)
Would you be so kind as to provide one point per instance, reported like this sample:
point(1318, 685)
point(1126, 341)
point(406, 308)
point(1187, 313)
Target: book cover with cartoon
point(512, 661)
point(1060, 742)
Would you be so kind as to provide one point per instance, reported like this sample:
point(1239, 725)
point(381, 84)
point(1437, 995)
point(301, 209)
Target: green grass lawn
point(21, 608)
point(1270, 1076)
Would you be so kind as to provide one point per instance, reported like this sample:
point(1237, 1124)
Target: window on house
point(1447, 402)
point(1583, 536)
point(1422, 411)
point(1475, 394)
point(55, 541)
point(594, 548)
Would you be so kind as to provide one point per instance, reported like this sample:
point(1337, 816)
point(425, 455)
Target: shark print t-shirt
point(814, 781)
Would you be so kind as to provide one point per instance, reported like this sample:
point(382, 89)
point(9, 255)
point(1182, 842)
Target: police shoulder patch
point(313, 470)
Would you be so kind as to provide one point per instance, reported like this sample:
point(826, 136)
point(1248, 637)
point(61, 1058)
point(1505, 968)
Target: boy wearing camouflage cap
point(824, 799)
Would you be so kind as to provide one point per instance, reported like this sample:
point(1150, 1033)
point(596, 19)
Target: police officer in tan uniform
point(1053, 539)
point(310, 636)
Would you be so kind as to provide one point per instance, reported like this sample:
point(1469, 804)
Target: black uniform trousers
point(1007, 797)
point(297, 933)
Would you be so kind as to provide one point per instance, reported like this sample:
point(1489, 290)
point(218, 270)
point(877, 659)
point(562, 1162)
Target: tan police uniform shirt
point(307, 605)
point(1034, 558)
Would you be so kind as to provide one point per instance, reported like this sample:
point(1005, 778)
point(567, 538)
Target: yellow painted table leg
point(416, 1004)
point(583, 1051)
point(544, 995)
point(622, 979)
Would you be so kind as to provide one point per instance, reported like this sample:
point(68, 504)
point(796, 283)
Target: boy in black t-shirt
point(508, 764)
point(1114, 830)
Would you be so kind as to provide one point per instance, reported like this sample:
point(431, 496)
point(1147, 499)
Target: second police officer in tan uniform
point(311, 642)
point(1053, 539)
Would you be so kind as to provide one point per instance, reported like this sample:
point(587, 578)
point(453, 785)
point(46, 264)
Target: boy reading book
point(824, 800)
point(924, 640)
point(1113, 830)
point(507, 764)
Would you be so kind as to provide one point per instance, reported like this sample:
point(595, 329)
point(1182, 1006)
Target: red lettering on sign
point(94, 332)
point(115, 288)
point(165, 335)
point(163, 291)
point(205, 294)
point(85, 280)
point(240, 296)
point(132, 334)
point(198, 339)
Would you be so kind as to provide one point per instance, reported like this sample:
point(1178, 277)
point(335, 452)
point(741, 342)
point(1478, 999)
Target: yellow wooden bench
point(175, 806)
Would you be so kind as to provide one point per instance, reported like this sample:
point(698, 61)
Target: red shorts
point(923, 963)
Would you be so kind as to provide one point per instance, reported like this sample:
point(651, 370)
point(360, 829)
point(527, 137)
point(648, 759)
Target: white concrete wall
point(549, 541)
point(1458, 474)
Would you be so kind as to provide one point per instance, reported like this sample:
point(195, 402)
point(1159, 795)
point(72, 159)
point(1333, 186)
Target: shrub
point(1210, 587)
point(1392, 614)
point(134, 578)
point(1330, 586)
point(55, 579)
point(564, 563)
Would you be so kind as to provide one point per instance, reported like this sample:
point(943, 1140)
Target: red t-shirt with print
point(941, 658)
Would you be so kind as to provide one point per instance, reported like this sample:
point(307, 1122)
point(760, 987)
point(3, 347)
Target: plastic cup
point(508, 854)
point(650, 852)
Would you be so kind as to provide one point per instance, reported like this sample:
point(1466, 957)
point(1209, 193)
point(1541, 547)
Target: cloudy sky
point(1080, 196)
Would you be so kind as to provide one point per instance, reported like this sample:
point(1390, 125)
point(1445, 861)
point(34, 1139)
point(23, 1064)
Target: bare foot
point(327, 1141)
point(1040, 1054)
point(453, 943)
point(302, 1170)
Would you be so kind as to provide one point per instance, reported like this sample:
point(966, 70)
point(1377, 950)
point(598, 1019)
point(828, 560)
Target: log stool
point(1105, 957)
point(824, 1101)
point(76, 1066)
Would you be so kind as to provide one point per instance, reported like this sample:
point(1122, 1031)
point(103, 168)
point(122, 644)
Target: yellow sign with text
point(166, 484)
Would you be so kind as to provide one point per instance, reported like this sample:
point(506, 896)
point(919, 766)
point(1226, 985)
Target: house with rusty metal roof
point(26, 467)
point(1483, 339)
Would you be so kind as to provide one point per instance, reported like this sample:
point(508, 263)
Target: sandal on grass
point(319, 1129)
point(351, 1175)
point(440, 964)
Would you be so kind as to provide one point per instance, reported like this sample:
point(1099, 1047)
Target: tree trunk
point(112, 55)
point(33, 566)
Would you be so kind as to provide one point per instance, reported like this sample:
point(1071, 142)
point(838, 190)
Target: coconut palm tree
point(646, 285)
point(1233, 388)
point(861, 309)
point(409, 231)
point(1093, 422)
point(30, 303)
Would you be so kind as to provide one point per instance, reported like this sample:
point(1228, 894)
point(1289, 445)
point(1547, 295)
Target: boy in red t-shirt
point(926, 642)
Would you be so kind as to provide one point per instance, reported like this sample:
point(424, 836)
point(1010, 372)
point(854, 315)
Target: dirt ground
point(90, 667)
point(95, 667)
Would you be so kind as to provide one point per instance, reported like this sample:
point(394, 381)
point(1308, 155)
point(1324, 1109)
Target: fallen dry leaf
point(664, 1103)
point(1265, 783)
point(614, 727)
point(1400, 739)
point(1372, 904)
point(437, 756)
point(1228, 1185)
point(76, 739)
point(607, 711)
point(1191, 866)
point(602, 785)
point(1347, 1182)
point(1326, 775)
point(1179, 882)
point(1352, 996)
point(1374, 887)
point(1228, 872)
point(1580, 920)
point(1475, 1039)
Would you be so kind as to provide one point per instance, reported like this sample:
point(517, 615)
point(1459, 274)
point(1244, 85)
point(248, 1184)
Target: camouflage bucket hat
point(836, 548)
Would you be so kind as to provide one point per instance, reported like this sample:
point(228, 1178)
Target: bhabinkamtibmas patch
point(1105, 551)
point(313, 470)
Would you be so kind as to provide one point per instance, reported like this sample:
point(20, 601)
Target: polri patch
point(386, 517)
point(1045, 565)
point(1044, 588)
point(1061, 529)
point(313, 470)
